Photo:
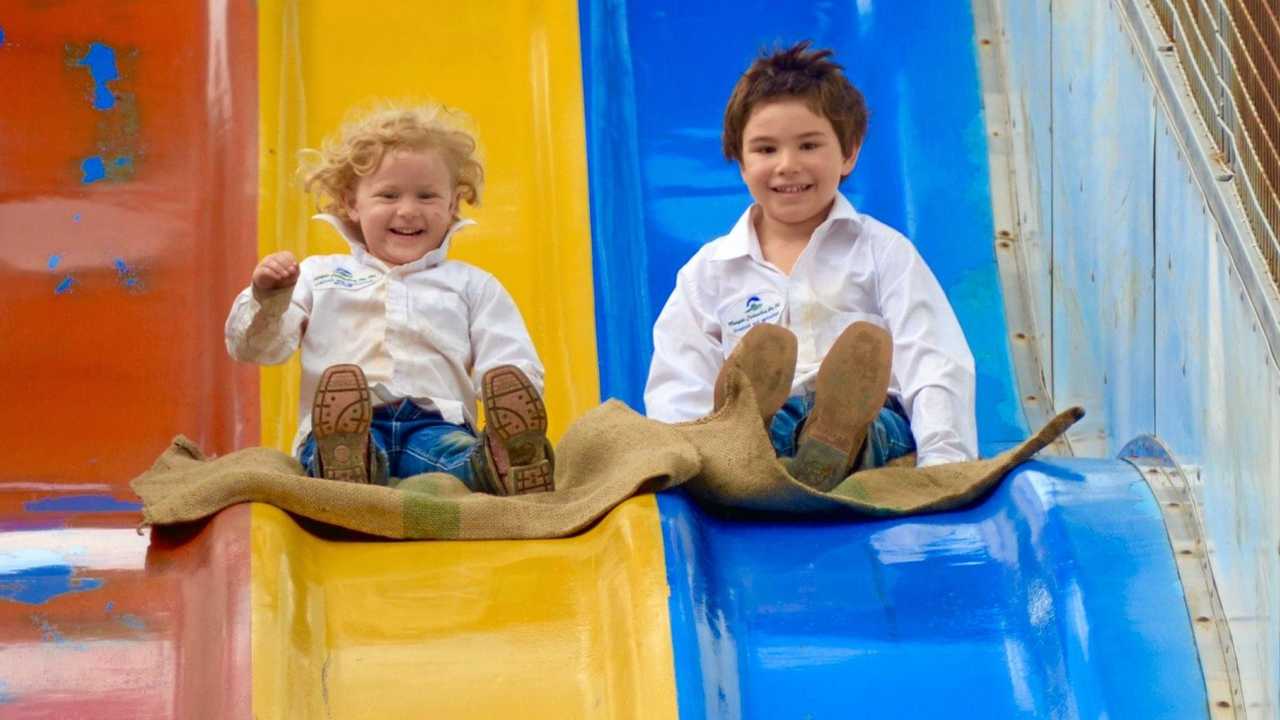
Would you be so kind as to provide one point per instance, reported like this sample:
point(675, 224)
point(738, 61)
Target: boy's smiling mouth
point(792, 189)
point(406, 233)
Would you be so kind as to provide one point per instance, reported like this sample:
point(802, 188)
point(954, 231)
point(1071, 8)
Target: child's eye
point(387, 195)
point(427, 196)
point(809, 146)
point(765, 149)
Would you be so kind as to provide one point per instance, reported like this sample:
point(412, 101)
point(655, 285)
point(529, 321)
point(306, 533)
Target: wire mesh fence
point(1230, 50)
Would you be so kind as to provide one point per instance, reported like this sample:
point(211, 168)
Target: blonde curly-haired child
point(397, 339)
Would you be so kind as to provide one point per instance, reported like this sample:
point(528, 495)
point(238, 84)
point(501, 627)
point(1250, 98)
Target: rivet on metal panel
point(1032, 398)
point(1019, 336)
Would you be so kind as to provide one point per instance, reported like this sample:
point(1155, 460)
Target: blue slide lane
point(1057, 596)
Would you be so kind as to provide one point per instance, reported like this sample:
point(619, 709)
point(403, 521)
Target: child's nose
point(786, 161)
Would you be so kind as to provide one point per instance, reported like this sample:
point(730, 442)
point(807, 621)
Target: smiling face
point(792, 165)
point(406, 206)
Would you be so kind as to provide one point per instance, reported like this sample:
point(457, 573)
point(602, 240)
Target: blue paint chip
point(1, 36)
point(101, 61)
point(133, 622)
point(128, 276)
point(123, 162)
point(64, 286)
point(81, 503)
point(53, 261)
point(6, 697)
point(111, 605)
point(93, 169)
point(75, 218)
point(37, 585)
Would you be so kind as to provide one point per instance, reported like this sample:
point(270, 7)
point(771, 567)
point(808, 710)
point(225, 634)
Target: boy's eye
point(809, 146)
point(765, 149)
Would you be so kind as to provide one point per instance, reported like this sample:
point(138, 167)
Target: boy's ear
point(849, 162)
point(349, 209)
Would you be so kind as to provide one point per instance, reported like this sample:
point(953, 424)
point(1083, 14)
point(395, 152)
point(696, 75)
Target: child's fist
point(277, 270)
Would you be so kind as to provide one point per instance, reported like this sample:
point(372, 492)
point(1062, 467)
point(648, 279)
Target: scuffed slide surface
point(548, 628)
point(127, 158)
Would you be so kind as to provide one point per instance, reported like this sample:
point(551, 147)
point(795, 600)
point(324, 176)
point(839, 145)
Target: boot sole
point(340, 419)
point(516, 419)
point(851, 387)
point(767, 356)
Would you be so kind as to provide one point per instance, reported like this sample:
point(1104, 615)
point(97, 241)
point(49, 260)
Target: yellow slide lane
point(566, 628)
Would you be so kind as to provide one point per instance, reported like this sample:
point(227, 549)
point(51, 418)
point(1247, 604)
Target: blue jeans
point(888, 437)
point(409, 440)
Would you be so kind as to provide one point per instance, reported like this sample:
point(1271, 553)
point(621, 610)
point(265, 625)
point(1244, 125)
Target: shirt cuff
point(924, 461)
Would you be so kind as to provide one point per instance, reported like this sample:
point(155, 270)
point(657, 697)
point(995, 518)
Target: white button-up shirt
point(854, 268)
point(426, 330)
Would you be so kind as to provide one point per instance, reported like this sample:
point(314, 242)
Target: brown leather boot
point(515, 456)
point(340, 418)
point(767, 356)
point(851, 387)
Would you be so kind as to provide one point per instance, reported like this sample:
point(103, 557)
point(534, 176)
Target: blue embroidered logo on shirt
point(344, 279)
point(759, 308)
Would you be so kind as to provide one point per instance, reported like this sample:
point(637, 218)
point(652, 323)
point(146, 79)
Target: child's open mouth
point(792, 189)
point(406, 233)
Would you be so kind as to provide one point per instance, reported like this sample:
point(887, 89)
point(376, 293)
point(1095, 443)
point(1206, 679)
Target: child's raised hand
point(277, 270)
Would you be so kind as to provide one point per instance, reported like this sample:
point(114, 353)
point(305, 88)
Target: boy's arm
point(498, 335)
point(686, 358)
point(932, 363)
point(266, 326)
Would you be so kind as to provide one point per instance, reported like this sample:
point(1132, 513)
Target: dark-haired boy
point(855, 354)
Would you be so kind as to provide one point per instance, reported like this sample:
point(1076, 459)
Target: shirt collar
point(364, 257)
point(742, 240)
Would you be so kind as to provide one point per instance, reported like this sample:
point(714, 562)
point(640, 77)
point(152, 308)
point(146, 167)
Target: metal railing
point(1230, 50)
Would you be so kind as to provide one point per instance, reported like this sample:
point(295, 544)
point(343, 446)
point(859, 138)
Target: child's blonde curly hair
point(332, 173)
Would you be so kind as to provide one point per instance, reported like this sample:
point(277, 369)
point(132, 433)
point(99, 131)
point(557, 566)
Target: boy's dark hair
point(797, 72)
